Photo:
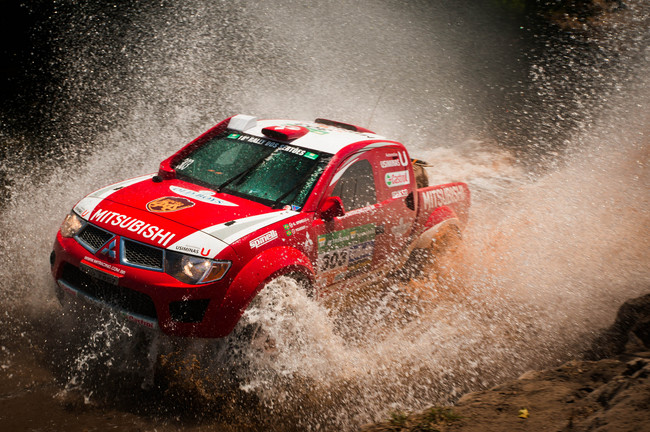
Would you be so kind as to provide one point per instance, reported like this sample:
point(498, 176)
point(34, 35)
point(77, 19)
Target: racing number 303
point(334, 259)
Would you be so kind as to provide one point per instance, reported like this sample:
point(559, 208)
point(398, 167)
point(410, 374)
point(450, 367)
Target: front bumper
point(153, 299)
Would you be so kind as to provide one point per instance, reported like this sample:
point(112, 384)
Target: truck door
point(396, 216)
point(346, 244)
point(374, 187)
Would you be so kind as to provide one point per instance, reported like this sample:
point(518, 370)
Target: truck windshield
point(266, 171)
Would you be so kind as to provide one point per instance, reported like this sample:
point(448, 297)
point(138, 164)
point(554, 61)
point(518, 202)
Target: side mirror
point(165, 171)
point(331, 208)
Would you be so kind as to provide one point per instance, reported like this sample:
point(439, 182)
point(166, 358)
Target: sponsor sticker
point(186, 163)
point(311, 155)
point(399, 159)
point(142, 228)
point(291, 149)
point(361, 210)
point(254, 140)
point(397, 178)
point(298, 222)
point(98, 274)
point(169, 204)
point(137, 320)
point(389, 163)
point(189, 249)
point(263, 239)
point(399, 194)
point(105, 265)
point(349, 251)
point(82, 210)
point(203, 196)
point(441, 197)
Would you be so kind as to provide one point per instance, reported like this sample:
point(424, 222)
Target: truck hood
point(174, 210)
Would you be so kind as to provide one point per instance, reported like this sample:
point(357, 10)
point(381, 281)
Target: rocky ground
point(608, 391)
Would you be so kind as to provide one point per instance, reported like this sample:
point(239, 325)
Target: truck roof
point(321, 137)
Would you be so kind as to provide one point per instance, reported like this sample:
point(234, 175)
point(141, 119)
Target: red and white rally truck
point(187, 249)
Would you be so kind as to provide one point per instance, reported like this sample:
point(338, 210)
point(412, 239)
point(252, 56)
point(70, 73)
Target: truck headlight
point(194, 270)
point(71, 225)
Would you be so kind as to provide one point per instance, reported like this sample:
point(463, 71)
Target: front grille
point(140, 254)
point(133, 253)
point(95, 237)
point(124, 298)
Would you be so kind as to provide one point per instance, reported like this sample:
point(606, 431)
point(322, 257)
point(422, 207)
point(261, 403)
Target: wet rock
point(630, 332)
point(608, 394)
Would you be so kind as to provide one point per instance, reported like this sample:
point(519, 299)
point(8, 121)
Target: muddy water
point(548, 128)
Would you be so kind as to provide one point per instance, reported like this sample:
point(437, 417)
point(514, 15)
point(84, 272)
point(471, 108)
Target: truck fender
point(269, 264)
point(440, 220)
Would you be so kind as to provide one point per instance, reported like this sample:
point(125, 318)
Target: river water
point(549, 127)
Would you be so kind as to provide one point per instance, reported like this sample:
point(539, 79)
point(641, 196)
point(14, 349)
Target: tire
point(253, 329)
point(442, 247)
point(422, 262)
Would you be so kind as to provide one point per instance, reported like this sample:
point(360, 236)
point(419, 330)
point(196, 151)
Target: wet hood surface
point(185, 203)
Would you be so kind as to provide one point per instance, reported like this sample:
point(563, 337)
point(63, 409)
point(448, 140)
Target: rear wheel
point(430, 261)
point(442, 247)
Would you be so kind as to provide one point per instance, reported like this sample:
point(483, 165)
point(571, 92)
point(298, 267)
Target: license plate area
point(99, 274)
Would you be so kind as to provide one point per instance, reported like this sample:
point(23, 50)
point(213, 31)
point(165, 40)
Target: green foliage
point(424, 422)
point(398, 419)
point(440, 415)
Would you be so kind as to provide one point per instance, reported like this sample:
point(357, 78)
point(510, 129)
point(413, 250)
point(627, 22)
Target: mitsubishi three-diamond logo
point(109, 250)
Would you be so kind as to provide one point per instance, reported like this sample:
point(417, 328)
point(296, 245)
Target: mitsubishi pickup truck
point(185, 250)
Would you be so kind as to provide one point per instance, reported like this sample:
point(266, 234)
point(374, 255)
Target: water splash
point(545, 262)
point(553, 247)
point(529, 288)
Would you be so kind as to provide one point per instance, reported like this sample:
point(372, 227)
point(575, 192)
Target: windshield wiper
point(243, 173)
point(296, 186)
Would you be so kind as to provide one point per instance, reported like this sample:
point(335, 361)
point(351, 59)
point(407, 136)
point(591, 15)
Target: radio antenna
point(374, 108)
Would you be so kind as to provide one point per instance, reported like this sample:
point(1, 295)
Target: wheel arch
point(441, 221)
point(268, 265)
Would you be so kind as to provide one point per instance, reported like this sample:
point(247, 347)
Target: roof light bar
point(285, 133)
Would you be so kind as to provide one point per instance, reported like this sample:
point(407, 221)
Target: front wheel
point(271, 317)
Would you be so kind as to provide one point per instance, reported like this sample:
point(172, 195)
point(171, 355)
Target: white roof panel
point(322, 138)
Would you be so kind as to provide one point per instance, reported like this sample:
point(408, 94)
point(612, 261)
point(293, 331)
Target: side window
point(356, 187)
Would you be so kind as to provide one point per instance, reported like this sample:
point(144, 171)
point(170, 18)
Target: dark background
point(524, 73)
